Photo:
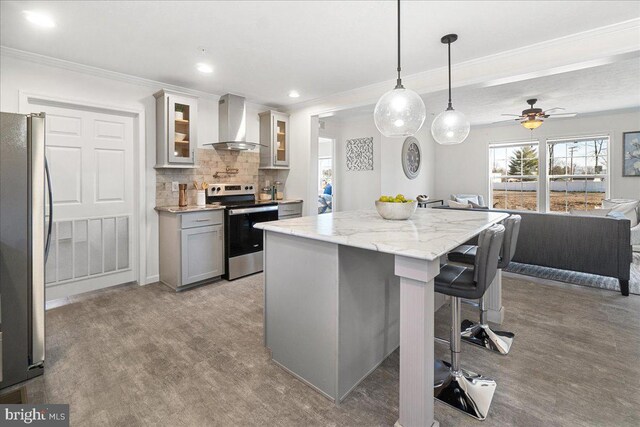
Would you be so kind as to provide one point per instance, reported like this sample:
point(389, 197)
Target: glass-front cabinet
point(176, 116)
point(281, 138)
point(274, 140)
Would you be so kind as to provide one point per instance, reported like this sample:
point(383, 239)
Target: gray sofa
point(589, 244)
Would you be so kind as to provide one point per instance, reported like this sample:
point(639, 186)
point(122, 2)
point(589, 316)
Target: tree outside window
point(514, 176)
point(524, 161)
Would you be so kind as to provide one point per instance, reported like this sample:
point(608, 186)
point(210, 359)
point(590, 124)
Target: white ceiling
point(264, 49)
point(614, 86)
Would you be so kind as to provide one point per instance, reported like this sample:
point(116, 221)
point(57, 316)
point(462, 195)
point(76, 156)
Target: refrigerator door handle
point(35, 152)
point(50, 195)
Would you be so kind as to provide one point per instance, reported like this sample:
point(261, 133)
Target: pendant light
point(399, 112)
point(451, 126)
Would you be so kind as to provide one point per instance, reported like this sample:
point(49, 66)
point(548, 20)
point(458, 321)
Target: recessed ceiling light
point(39, 19)
point(204, 68)
point(294, 94)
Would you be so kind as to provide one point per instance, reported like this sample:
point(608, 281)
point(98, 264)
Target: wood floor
point(147, 356)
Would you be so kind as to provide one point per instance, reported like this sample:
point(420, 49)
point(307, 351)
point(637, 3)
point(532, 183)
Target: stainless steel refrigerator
point(24, 237)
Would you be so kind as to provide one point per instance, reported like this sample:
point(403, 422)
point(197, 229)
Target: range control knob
point(218, 189)
point(246, 187)
point(251, 187)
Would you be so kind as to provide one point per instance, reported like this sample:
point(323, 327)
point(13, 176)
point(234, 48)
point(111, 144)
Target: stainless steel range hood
point(232, 125)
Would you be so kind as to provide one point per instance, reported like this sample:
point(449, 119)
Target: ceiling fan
point(532, 118)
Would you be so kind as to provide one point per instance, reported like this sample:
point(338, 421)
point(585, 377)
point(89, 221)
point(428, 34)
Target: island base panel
point(493, 300)
point(300, 312)
point(369, 304)
point(331, 312)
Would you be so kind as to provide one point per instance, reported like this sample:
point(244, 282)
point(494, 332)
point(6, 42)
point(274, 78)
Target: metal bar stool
point(467, 391)
point(481, 334)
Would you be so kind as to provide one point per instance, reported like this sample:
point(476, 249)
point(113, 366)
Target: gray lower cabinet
point(191, 248)
point(289, 210)
point(201, 247)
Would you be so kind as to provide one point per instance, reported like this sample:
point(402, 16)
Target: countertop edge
point(187, 209)
point(343, 240)
point(281, 202)
point(284, 202)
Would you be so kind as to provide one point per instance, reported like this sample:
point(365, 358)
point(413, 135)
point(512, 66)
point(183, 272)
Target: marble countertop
point(428, 234)
point(186, 209)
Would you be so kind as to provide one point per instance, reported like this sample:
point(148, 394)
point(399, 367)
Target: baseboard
point(75, 288)
point(86, 294)
point(151, 279)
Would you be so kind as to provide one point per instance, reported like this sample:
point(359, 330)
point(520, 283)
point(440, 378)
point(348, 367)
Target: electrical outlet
point(174, 186)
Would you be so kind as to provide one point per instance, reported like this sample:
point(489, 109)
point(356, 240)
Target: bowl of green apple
point(396, 208)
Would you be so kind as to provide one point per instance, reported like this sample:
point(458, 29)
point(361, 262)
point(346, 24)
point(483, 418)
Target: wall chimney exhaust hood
point(232, 125)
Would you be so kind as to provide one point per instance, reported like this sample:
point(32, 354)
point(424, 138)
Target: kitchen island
point(343, 290)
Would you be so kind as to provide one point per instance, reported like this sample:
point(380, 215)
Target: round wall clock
point(411, 157)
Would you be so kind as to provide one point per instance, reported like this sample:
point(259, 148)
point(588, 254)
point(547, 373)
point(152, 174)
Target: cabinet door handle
point(203, 220)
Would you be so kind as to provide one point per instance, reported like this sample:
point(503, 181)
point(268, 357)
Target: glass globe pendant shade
point(399, 112)
point(450, 127)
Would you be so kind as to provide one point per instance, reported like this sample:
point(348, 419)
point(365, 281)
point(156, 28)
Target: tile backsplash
point(209, 162)
point(272, 175)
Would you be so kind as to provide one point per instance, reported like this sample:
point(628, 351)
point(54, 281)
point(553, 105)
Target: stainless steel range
point(243, 243)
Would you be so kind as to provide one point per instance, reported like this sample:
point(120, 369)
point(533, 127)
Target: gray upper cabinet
point(176, 129)
point(275, 147)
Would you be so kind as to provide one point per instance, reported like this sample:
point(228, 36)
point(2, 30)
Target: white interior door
point(91, 161)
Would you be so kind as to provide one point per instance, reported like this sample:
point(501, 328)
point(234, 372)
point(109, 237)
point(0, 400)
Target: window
point(514, 176)
point(578, 173)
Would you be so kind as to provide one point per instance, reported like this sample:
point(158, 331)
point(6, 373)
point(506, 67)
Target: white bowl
point(180, 136)
point(388, 210)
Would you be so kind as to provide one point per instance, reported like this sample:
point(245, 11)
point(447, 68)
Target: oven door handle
point(253, 210)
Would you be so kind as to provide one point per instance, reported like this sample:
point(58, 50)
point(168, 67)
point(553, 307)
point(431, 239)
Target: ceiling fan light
point(532, 124)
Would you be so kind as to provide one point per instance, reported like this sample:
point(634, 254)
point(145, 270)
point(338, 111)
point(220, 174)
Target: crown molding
point(99, 72)
point(573, 52)
point(113, 75)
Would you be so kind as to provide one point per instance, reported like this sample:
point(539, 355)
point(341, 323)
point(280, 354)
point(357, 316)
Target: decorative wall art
point(411, 159)
point(360, 154)
point(631, 153)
